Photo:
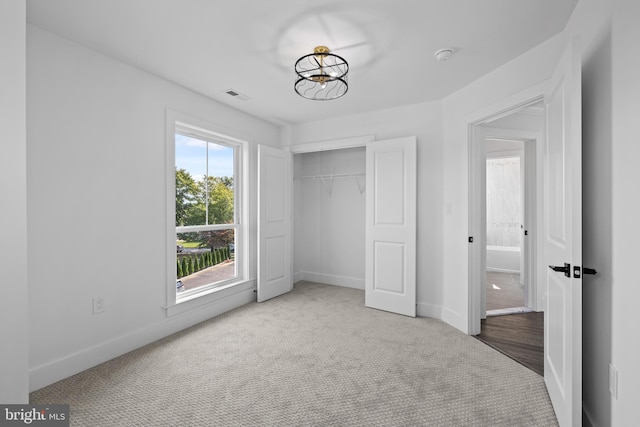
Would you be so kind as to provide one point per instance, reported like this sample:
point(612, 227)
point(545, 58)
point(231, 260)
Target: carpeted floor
point(315, 356)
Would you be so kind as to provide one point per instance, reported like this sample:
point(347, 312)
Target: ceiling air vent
point(236, 94)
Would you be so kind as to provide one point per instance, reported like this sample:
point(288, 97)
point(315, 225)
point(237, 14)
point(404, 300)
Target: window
point(205, 211)
point(504, 201)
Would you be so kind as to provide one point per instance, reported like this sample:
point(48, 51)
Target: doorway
point(328, 219)
point(505, 175)
point(516, 132)
point(506, 159)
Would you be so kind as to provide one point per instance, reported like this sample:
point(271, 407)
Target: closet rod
point(335, 175)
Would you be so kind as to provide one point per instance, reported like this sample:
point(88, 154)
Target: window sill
point(209, 296)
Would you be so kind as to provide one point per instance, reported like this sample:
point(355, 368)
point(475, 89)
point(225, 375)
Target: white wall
point(498, 90)
point(423, 121)
point(625, 212)
point(328, 218)
point(14, 379)
point(97, 197)
point(590, 21)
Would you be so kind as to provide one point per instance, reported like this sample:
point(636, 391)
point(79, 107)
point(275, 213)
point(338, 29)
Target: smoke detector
point(443, 54)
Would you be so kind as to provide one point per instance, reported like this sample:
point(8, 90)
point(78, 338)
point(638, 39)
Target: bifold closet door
point(274, 223)
point(390, 258)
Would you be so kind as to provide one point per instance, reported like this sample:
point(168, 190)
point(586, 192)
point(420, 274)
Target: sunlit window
point(207, 210)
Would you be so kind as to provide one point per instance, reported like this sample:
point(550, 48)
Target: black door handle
point(566, 269)
point(587, 270)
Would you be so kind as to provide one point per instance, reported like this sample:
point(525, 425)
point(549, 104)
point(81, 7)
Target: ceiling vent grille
point(236, 94)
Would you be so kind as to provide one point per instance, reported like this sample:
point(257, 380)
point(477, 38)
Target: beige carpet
point(315, 356)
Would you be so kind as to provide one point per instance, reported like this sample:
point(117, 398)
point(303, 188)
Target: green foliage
point(186, 196)
point(194, 195)
point(220, 200)
point(179, 268)
point(185, 266)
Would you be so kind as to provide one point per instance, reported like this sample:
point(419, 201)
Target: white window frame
point(183, 124)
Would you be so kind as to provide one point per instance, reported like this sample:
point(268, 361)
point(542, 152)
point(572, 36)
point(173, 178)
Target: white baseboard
point(48, 373)
point(454, 319)
point(329, 279)
point(429, 310)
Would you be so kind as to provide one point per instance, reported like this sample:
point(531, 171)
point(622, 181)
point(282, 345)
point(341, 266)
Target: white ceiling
point(210, 46)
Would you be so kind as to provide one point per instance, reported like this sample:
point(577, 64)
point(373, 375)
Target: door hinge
point(470, 239)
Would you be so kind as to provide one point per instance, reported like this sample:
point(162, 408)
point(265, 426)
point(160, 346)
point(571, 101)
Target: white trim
point(209, 296)
point(451, 317)
point(48, 373)
point(330, 279)
point(477, 256)
point(196, 228)
point(191, 126)
point(333, 144)
point(429, 310)
point(507, 311)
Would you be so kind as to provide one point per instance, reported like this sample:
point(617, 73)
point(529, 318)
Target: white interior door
point(390, 254)
point(274, 223)
point(563, 240)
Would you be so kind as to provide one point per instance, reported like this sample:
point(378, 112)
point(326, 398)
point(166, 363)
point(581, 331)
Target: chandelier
point(321, 75)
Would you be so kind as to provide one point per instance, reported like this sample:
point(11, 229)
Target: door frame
point(477, 215)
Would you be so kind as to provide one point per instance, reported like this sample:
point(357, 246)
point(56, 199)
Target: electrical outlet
point(98, 305)
point(613, 381)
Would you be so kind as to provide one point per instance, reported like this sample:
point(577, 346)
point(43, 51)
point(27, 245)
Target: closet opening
point(329, 190)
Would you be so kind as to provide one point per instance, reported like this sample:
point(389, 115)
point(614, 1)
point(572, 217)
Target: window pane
point(220, 184)
point(204, 182)
point(191, 168)
point(205, 258)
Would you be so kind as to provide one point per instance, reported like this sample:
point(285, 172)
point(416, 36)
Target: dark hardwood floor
point(519, 336)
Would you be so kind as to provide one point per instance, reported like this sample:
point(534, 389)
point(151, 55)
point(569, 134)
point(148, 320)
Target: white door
point(274, 223)
point(390, 266)
point(563, 240)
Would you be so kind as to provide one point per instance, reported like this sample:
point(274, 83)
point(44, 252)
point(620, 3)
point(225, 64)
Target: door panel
point(274, 223)
point(390, 270)
point(563, 239)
